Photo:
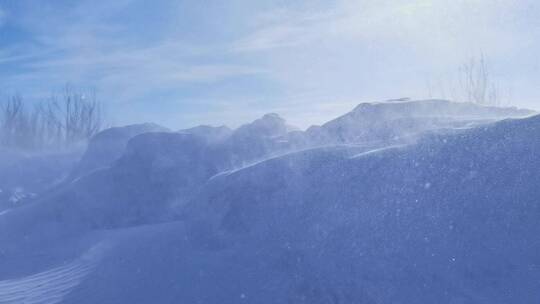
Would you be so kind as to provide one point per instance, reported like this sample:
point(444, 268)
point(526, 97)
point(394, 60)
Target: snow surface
point(444, 215)
point(107, 146)
point(50, 286)
point(24, 175)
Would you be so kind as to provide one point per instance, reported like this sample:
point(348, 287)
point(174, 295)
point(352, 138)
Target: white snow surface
point(331, 215)
point(50, 286)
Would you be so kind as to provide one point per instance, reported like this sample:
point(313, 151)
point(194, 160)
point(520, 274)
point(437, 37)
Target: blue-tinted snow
point(417, 208)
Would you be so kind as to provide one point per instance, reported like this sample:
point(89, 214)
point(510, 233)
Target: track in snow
point(50, 286)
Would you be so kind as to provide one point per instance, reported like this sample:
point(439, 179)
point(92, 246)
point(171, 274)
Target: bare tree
point(13, 122)
point(83, 116)
point(476, 82)
point(53, 123)
point(473, 82)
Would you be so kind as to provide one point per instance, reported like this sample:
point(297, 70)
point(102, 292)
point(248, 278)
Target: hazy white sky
point(181, 63)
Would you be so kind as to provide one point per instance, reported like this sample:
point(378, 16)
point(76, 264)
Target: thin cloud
point(433, 25)
point(3, 17)
point(395, 44)
point(91, 51)
point(303, 60)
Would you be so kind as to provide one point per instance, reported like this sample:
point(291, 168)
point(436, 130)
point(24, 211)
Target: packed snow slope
point(108, 145)
point(25, 175)
point(384, 121)
point(449, 217)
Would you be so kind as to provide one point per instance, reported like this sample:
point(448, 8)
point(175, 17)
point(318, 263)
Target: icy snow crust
point(445, 214)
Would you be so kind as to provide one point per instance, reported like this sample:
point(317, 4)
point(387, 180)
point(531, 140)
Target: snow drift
point(450, 217)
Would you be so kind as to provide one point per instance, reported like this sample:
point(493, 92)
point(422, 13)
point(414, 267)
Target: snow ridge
point(50, 286)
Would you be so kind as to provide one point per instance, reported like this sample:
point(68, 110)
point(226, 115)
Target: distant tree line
point(56, 123)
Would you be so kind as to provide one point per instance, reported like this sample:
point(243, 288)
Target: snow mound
point(387, 121)
point(449, 218)
point(108, 145)
point(23, 175)
point(211, 134)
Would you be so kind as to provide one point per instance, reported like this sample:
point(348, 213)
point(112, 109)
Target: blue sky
point(182, 63)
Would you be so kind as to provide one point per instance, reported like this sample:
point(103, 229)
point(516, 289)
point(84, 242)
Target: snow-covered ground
point(25, 175)
point(403, 208)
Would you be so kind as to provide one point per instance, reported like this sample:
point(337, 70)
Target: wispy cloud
point(307, 59)
point(86, 48)
point(285, 28)
point(433, 25)
point(3, 16)
point(366, 43)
